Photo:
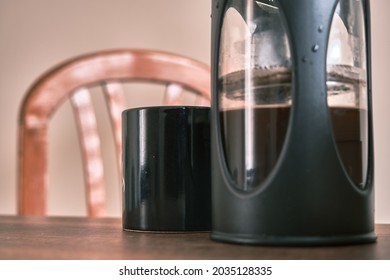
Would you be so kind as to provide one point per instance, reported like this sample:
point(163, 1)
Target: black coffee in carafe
point(265, 123)
point(291, 122)
point(270, 131)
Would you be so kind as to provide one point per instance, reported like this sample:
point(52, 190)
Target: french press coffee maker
point(292, 148)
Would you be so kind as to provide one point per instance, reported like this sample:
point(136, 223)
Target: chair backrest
point(71, 80)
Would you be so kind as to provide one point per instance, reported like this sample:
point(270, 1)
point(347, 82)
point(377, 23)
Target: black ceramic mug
point(166, 169)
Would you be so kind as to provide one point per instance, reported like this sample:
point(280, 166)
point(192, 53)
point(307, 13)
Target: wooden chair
point(71, 80)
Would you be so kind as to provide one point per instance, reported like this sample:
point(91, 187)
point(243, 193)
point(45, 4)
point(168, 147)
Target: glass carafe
point(291, 121)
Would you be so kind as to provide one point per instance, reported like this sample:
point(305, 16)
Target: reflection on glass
point(347, 87)
point(255, 89)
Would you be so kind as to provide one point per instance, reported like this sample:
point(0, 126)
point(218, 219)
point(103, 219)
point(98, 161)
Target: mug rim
point(166, 107)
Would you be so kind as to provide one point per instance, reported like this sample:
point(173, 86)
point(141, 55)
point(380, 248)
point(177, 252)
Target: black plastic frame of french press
point(308, 198)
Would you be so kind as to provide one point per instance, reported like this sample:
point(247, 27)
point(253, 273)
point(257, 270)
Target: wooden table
point(103, 238)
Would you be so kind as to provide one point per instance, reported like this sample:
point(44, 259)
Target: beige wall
point(36, 34)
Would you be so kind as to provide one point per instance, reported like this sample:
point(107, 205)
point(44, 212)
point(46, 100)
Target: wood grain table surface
point(71, 238)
